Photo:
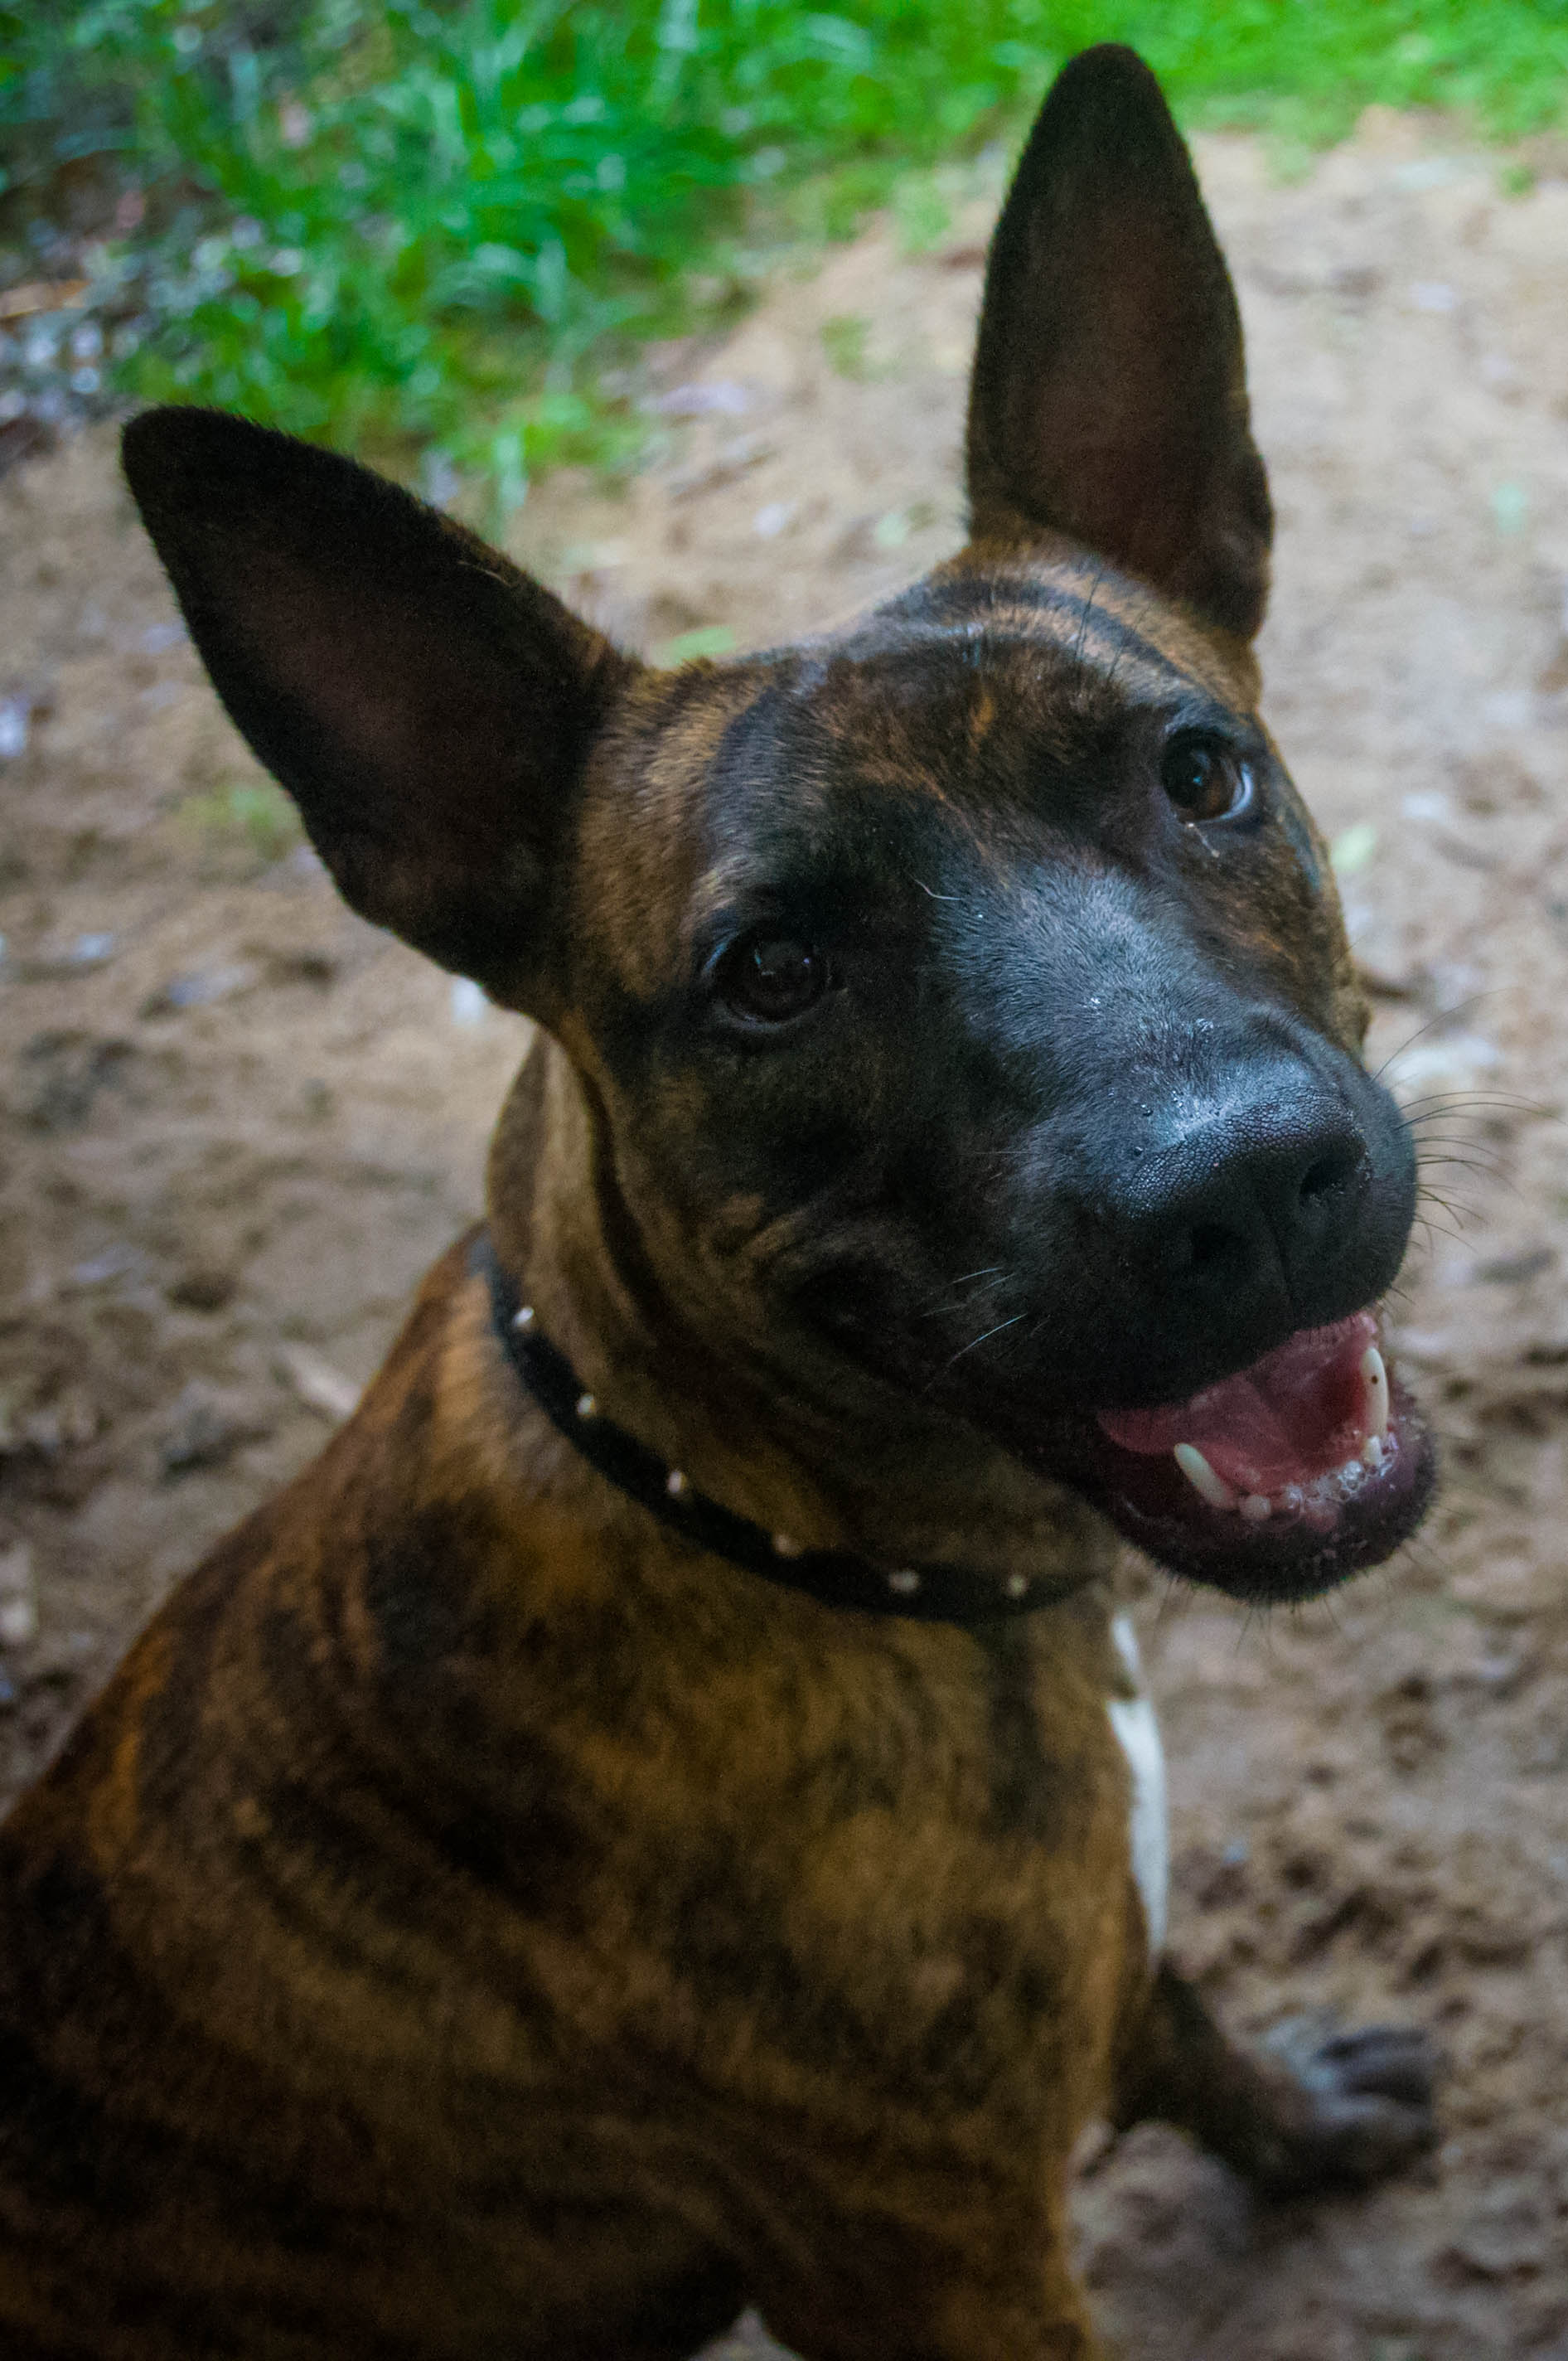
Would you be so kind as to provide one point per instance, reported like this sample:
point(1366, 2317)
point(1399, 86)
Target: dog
point(662, 1815)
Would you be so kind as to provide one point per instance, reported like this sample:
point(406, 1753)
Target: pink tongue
point(1290, 1416)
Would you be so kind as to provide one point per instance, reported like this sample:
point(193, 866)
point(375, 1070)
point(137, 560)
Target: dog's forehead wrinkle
point(912, 720)
point(1056, 668)
point(1070, 601)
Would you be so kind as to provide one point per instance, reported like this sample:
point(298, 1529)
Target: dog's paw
point(1360, 2105)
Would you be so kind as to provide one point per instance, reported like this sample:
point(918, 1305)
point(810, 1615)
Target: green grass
point(425, 227)
point(250, 818)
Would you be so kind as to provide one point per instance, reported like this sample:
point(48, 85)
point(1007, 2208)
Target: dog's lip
point(1267, 1492)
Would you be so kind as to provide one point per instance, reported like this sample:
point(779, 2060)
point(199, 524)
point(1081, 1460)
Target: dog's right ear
point(1109, 395)
point(429, 708)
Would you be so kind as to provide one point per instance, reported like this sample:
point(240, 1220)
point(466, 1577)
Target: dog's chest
point(913, 1867)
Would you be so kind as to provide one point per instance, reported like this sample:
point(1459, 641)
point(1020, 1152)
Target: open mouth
point(1279, 1481)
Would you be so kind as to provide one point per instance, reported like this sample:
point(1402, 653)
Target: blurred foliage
point(423, 225)
point(251, 815)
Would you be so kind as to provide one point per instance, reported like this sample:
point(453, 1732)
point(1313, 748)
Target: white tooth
point(1292, 1500)
point(1372, 1451)
point(1351, 1473)
point(1201, 1476)
point(1374, 1380)
point(1257, 1507)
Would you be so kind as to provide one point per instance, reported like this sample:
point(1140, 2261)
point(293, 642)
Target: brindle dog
point(659, 1816)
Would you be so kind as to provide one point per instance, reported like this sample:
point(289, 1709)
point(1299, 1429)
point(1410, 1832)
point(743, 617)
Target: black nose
point(1267, 1194)
point(1262, 1208)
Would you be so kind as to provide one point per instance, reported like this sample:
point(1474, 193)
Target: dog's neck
point(869, 1473)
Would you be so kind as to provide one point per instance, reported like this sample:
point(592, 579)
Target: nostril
point(1330, 1172)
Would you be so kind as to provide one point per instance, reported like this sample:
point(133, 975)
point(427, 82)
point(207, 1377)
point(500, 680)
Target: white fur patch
point(1137, 1733)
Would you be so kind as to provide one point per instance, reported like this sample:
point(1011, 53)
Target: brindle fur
point(474, 1924)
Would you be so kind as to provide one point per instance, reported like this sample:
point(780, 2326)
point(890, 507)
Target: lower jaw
point(1304, 1548)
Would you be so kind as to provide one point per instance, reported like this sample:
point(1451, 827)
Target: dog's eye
point(772, 978)
point(1204, 780)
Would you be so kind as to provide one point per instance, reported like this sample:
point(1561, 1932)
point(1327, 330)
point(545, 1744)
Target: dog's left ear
point(1109, 395)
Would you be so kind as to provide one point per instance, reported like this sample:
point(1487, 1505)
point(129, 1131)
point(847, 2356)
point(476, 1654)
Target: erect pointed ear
point(428, 707)
point(1109, 396)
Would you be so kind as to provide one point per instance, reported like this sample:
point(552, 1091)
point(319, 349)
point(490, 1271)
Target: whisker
point(1427, 1140)
point(1432, 1231)
point(1457, 1206)
point(1088, 609)
point(1438, 1103)
point(1439, 1016)
point(1461, 1208)
point(1453, 1161)
point(983, 1338)
point(987, 1336)
point(1445, 1151)
point(995, 1273)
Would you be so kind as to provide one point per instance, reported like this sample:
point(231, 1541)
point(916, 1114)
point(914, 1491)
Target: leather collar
point(928, 1594)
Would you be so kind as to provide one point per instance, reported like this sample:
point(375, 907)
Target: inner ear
point(1109, 395)
point(429, 708)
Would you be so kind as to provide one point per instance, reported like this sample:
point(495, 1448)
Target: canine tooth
point(1202, 1477)
point(1257, 1507)
point(1374, 1380)
point(1372, 1451)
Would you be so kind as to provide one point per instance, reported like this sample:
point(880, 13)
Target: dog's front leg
point(1051, 2324)
point(1307, 2113)
point(974, 2266)
point(1044, 2319)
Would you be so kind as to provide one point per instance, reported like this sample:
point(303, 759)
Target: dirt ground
point(235, 1123)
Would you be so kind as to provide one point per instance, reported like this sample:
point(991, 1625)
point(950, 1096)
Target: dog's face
point(965, 995)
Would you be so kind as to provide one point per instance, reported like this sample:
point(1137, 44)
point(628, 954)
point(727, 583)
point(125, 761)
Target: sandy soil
point(235, 1123)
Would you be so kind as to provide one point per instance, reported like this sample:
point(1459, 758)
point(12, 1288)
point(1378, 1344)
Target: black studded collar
point(931, 1594)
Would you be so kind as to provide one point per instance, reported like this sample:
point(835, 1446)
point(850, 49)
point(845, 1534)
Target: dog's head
point(965, 993)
